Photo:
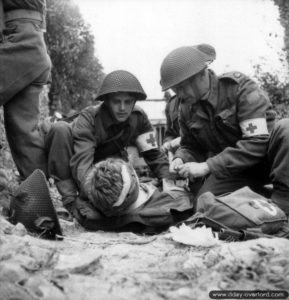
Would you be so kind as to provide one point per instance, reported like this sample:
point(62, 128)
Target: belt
point(17, 14)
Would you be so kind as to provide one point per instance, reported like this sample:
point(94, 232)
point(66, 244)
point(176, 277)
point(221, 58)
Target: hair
point(103, 185)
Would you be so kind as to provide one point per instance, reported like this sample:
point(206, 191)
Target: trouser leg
point(59, 145)
point(278, 154)
point(21, 115)
point(220, 186)
point(255, 178)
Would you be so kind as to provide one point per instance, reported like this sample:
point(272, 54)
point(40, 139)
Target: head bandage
point(127, 183)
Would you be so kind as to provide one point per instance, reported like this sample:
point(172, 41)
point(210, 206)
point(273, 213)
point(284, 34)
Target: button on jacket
point(222, 130)
point(97, 136)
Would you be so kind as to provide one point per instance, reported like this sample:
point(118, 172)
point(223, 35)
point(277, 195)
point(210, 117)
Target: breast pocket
point(227, 121)
point(227, 127)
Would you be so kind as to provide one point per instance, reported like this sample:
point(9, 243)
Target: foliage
point(283, 6)
point(76, 71)
point(277, 90)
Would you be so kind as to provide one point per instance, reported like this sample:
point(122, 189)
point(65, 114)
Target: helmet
point(120, 81)
point(32, 206)
point(181, 64)
point(208, 50)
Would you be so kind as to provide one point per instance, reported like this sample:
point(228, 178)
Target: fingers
point(174, 166)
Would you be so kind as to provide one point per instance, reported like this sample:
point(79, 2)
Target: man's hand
point(175, 164)
point(193, 170)
point(171, 145)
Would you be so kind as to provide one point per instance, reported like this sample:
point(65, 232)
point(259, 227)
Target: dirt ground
point(103, 265)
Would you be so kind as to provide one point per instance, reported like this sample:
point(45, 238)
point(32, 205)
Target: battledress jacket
point(230, 128)
point(172, 114)
point(97, 136)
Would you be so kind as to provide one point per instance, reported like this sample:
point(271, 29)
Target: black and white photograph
point(144, 149)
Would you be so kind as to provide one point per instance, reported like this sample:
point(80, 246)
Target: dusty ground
point(103, 265)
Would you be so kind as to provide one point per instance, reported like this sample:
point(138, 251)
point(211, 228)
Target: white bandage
point(146, 141)
point(253, 127)
point(126, 186)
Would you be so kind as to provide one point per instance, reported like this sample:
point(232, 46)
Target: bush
point(76, 71)
point(278, 91)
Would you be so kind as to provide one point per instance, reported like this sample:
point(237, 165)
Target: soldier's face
point(121, 105)
point(193, 88)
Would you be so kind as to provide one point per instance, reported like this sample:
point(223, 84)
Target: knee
point(60, 129)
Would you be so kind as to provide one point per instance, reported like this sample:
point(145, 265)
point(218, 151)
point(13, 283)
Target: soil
point(106, 265)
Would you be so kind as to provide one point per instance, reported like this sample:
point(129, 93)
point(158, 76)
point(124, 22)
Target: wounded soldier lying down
point(117, 201)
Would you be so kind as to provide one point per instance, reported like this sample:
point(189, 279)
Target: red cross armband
point(254, 127)
point(146, 141)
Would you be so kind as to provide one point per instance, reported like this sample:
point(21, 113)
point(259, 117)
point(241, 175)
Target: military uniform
point(24, 69)
point(230, 130)
point(97, 136)
point(172, 112)
point(154, 214)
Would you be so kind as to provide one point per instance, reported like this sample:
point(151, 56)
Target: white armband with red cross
point(253, 127)
point(146, 141)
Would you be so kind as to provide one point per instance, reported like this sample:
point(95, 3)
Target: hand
point(166, 147)
point(175, 164)
point(171, 145)
point(193, 170)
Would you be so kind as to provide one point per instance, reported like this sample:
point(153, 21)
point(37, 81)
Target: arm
point(253, 106)
point(170, 133)
point(190, 150)
point(84, 143)
point(156, 160)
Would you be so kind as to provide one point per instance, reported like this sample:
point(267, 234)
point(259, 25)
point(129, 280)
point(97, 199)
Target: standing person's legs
point(24, 69)
point(278, 154)
point(21, 123)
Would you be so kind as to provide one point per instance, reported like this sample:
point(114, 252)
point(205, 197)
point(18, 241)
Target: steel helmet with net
point(120, 81)
point(181, 64)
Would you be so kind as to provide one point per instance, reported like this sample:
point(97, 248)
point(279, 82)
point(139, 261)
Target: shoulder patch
point(235, 76)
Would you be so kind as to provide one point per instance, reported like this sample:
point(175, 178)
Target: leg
point(59, 145)
point(21, 123)
point(278, 154)
point(230, 184)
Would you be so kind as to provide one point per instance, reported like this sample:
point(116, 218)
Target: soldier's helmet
point(32, 206)
point(208, 51)
point(120, 81)
point(112, 186)
point(185, 62)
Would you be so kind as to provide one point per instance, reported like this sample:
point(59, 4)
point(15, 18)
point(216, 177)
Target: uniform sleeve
point(169, 133)
point(190, 149)
point(253, 109)
point(84, 146)
point(156, 160)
